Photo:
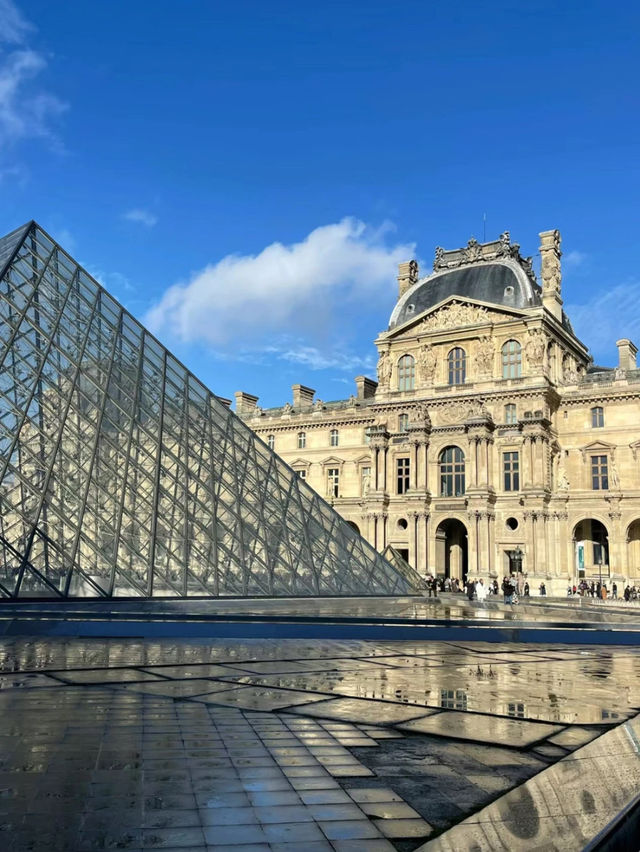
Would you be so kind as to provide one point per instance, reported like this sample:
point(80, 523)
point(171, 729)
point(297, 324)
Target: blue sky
point(245, 176)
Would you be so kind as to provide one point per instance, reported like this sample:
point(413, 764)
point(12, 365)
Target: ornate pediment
point(598, 447)
point(457, 314)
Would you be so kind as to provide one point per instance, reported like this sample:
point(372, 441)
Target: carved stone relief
point(484, 356)
point(458, 412)
point(535, 348)
point(426, 362)
point(457, 314)
point(384, 369)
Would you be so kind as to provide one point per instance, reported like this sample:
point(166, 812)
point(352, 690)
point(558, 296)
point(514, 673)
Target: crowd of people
point(513, 589)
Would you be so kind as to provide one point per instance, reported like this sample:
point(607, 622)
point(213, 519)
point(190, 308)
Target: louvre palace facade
point(490, 441)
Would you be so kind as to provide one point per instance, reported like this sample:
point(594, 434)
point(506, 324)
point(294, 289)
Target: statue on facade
point(484, 355)
point(550, 270)
point(614, 479)
point(563, 479)
point(384, 369)
point(318, 405)
point(287, 408)
point(535, 347)
point(426, 362)
point(421, 414)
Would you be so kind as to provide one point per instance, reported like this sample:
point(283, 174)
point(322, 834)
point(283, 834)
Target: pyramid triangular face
point(121, 474)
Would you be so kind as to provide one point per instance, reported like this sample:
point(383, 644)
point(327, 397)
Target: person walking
point(471, 589)
point(481, 590)
point(543, 590)
point(614, 591)
point(526, 590)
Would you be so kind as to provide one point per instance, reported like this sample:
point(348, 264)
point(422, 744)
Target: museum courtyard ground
point(303, 743)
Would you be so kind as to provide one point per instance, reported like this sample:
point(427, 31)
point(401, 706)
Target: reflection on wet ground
point(283, 745)
point(448, 606)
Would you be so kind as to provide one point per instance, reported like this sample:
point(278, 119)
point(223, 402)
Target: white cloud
point(573, 259)
point(14, 26)
point(141, 217)
point(297, 352)
point(606, 317)
point(252, 303)
point(25, 110)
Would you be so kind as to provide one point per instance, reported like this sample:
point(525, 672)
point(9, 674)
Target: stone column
point(617, 539)
point(427, 478)
point(427, 543)
point(473, 446)
point(473, 542)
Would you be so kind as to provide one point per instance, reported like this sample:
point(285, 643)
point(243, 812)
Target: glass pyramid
point(122, 475)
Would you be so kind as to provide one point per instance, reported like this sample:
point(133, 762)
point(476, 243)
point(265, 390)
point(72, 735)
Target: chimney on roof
point(245, 403)
point(365, 388)
point(407, 276)
point(626, 354)
point(302, 397)
point(551, 273)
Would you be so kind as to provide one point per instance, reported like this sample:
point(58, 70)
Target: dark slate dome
point(489, 272)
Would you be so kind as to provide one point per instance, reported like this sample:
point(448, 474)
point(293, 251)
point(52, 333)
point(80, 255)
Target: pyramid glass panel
point(122, 475)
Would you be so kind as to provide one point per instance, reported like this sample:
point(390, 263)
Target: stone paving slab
point(111, 762)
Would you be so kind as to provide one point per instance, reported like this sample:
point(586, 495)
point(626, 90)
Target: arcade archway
point(451, 549)
point(591, 542)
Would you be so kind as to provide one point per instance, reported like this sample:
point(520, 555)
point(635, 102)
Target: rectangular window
point(334, 438)
point(403, 474)
point(272, 441)
point(511, 465)
point(453, 699)
point(403, 423)
point(302, 440)
point(599, 473)
point(333, 482)
point(597, 417)
point(365, 480)
point(510, 414)
point(302, 474)
point(516, 709)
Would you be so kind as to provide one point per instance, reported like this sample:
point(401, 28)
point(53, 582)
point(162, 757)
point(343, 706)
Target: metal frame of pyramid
point(122, 475)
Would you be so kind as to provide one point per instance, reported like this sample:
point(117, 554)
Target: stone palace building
point(490, 442)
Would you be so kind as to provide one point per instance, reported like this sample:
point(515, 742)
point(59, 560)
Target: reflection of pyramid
point(121, 474)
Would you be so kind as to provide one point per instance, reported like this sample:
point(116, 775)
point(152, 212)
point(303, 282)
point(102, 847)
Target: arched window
point(451, 463)
point(403, 423)
point(510, 414)
point(457, 360)
point(271, 441)
point(302, 440)
point(334, 438)
point(406, 373)
point(511, 360)
point(597, 417)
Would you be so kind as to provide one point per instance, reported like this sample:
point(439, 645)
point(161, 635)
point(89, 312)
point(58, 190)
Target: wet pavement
point(284, 745)
point(415, 608)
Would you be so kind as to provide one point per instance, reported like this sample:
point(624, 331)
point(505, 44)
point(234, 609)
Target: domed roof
point(489, 272)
